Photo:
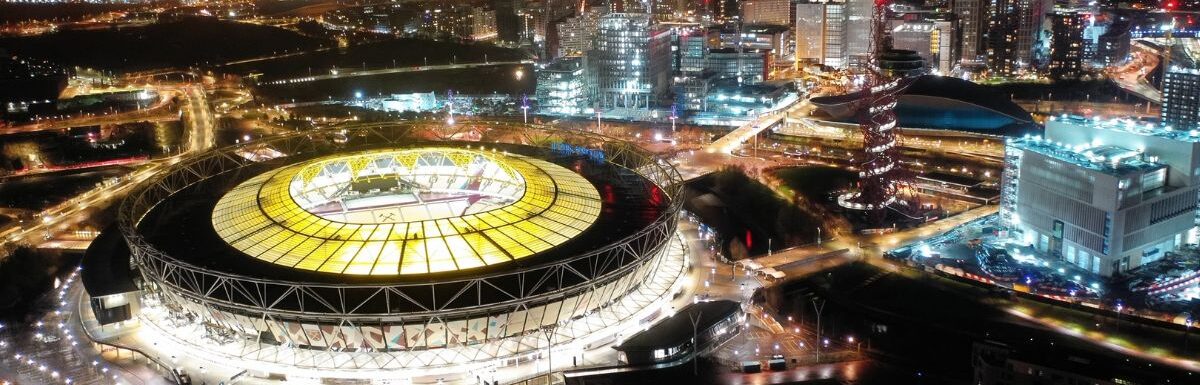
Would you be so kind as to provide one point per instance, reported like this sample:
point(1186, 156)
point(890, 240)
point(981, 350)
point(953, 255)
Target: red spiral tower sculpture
point(879, 172)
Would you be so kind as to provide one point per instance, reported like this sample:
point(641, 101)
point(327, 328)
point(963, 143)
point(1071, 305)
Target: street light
point(1120, 306)
point(674, 116)
point(525, 108)
point(818, 310)
point(1187, 327)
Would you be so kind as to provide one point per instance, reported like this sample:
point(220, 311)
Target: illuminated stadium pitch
point(408, 211)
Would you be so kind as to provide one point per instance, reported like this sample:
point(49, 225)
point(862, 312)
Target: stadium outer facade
point(465, 321)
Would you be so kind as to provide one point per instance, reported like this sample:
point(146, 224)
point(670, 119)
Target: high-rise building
point(726, 10)
point(693, 49)
point(562, 87)
point(821, 33)
point(774, 12)
point(443, 21)
point(972, 21)
point(858, 28)
point(691, 92)
point(575, 34)
point(483, 23)
point(774, 38)
point(630, 63)
point(1032, 32)
point(508, 24)
point(1091, 37)
point(933, 40)
point(1112, 46)
point(746, 66)
point(810, 32)
point(1013, 28)
point(1066, 45)
point(1181, 99)
point(1004, 19)
point(551, 13)
point(1107, 196)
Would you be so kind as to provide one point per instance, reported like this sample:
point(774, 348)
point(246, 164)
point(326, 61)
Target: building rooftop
point(564, 64)
point(1131, 126)
point(732, 50)
point(1109, 159)
point(764, 28)
point(678, 328)
point(106, 265)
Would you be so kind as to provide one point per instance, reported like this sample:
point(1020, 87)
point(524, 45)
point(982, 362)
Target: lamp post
point(1187, 328)
point(525, 108)
point(548, 332)
point(1120, 307)
point(450, 107)
point(674, 116)
point(695, 318)
point(818, 309)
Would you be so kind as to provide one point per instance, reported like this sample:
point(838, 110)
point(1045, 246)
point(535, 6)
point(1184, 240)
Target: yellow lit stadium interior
point(410, 211)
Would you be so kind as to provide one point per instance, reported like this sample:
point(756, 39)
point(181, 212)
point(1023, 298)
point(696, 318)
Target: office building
point(1181, 99)
point(562, 87)
point(932, 40)
point(774, 12)
point(483, 23)
point(692, 51)
point(1013, 28)
point(774, 38)
point(630, 63)
point(746, 66)
point(1066, 45)
point(1104, 195)
point(1091, 38)
point(508, 23)
point(821, 33)
point(1112, 47)
point(1003, 23)
point(972, 21)
point(858, 27)
point(575, 34)
point(726, 10)
point(691, 91)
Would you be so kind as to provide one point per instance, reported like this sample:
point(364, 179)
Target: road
point(199, 128)
point(726, 144)
point(1131, 76)
point(1088, 109)
point(157, 112)
point(198, 119)
point(345, 73)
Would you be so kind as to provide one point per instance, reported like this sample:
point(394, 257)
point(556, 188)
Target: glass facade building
point(630, 64)
point(562, 87)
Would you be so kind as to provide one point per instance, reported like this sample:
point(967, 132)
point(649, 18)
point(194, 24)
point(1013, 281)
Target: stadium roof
point(406, 211)
point(678, 328)
point(106, 265)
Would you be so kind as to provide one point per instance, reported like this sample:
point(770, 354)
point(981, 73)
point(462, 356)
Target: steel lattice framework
point(295, 311)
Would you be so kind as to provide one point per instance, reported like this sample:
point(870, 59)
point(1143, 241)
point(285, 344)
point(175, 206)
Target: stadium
point(358, 251)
